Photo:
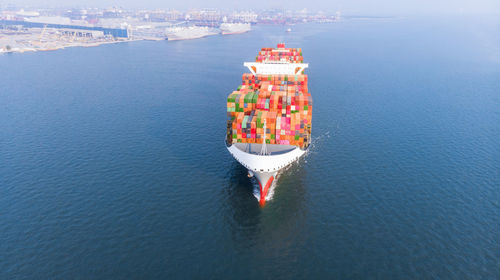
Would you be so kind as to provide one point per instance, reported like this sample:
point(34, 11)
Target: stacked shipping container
point(282, 101)
point(281, 54)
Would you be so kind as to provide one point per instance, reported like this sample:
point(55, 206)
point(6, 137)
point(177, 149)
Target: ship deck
point(272, 149)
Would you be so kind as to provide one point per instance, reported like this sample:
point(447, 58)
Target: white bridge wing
point(276, 68)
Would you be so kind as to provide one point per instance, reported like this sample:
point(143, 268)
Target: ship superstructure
point(269, 116)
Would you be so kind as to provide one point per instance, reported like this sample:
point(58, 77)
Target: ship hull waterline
point(235, 32)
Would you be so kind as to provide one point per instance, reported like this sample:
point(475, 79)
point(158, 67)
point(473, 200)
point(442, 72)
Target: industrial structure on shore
point(114, 32)
point(48, 29)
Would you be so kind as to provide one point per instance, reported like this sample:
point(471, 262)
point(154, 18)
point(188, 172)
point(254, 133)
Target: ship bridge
point(276, 67)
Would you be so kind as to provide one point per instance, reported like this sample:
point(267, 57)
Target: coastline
point(38, 40)
point(64, 46)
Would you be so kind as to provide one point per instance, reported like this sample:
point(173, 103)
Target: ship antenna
point(263, 152)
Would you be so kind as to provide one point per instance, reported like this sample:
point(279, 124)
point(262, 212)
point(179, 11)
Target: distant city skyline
point(368, 7)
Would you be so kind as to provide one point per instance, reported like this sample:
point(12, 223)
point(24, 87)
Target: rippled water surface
point(113, 165)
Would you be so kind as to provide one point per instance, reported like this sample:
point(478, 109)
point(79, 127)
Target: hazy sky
point(347, 6)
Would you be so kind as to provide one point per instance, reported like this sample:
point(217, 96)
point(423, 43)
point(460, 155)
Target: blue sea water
point(113, 163)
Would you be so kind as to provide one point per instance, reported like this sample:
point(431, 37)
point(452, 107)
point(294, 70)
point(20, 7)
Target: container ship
point(269, 115)
point(234, 28)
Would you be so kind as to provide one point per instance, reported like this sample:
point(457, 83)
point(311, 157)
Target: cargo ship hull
point(233, 33)
point(234, 28)
point(188, 33)
point(265, 168)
